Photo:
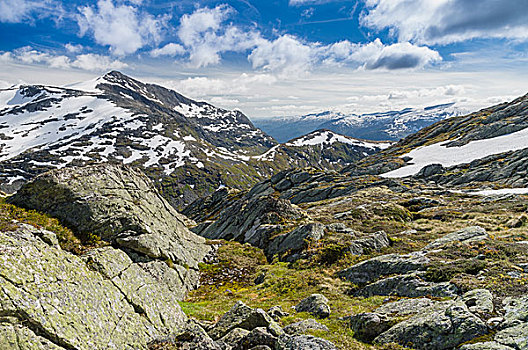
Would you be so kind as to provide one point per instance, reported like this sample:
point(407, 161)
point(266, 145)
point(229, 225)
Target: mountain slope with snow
point(323, 149)
point(189, 148)
point(489, 146)
point(392, 126)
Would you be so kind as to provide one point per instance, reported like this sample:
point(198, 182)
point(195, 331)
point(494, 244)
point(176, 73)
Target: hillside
point(383, 126)
point(485, 148)
point(188, 148)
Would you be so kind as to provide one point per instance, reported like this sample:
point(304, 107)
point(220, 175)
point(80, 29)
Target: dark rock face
point(295, 241)
point(252, 220)
point(120, 205)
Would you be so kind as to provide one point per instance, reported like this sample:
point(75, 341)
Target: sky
point(278, 57)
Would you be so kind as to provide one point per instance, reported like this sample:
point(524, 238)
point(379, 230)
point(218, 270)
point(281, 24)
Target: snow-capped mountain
point(189, 148)
point(392, 126)
point(323, 149)
point(488, 146)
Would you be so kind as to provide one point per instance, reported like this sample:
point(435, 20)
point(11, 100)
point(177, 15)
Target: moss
point(67, 240)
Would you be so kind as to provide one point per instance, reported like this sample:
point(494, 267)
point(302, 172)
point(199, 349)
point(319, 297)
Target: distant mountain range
point(385, 126)
point(188, 148)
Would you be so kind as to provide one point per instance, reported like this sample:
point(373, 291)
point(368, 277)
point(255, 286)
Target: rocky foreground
point(305, 260)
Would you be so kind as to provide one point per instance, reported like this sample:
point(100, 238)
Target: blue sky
point(278, 57)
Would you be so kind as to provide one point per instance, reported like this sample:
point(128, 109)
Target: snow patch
point(438, 153)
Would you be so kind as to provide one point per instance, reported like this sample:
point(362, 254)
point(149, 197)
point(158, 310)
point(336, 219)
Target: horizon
point(283, 58)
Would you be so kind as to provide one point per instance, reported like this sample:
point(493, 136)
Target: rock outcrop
point(52, 299)
point(315, 304)
point(120, 205)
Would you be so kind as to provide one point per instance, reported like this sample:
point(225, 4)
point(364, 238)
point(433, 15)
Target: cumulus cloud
point(200, 87)
point(122, 27)
point(171, 49)
point(204, 35)
point(286, 54)
point(16, 11)
point(448, 21)
point(375, 55)
point(89, 62)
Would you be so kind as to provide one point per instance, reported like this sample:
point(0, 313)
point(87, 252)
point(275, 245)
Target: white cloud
point(448, 21)
point(375, 55)
point(308, 2)
point(203, 34)
point(285, 54)
point(224, 101)
point(171, 49)
point(16, 11)
point(89, 62)
point(93, 62)
point(72, 48)
point(121, 27)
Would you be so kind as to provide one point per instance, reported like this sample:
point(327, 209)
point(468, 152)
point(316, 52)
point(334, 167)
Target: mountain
point(323, 149)
point(488, 147)
point(392, 125)
point(188, 148)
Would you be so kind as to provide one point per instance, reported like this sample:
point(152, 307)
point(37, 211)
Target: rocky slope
point(188, 148)
point(392, 125)
point(485, 148)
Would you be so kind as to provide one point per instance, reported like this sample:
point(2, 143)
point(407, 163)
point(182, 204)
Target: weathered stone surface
point(251, 219)
point(191, 337)
point(120, 205)
point(479, 301)
point(54, 295)
point(444, 326)
point(302, 326)
point(257, 336)
point(410, 286)
point(405, 307)
point(296, 240)
point(305, 342)
point(516, 309)
point(152, 287)
point(368, 325)
point(372, 269)
point(234, 336)
point(14, 336)
point(242, 316)
point(489, 345)
point(315, 304)
point(515, 337)
point(372, 242)
point(466, 235)
point(277, 313)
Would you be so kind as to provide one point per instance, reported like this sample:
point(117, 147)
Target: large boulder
point(373, 242)
point(391, 264)
point(251, 219)
point(315, 304)
point(295, 241)
point(120, 205)
point(466, 235)
point(52, 299)
point(445, 325)
point(244, 317)
point(410, 285)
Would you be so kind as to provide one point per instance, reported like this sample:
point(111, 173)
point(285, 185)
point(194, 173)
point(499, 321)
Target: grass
point(486, 264)
point(10, 215)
